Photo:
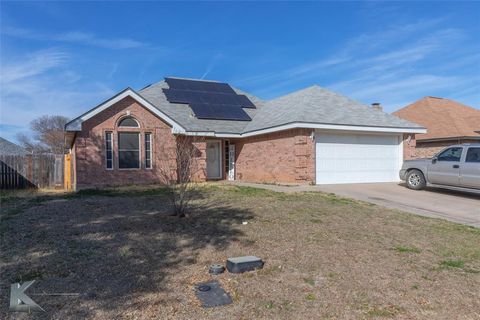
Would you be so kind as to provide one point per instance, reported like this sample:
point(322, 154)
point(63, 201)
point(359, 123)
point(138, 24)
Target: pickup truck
point(457, 166)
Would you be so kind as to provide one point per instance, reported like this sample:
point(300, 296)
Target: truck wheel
point(416, 180)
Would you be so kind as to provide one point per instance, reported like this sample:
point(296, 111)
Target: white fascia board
point(76, 124)
point(200, 133)
point(296, 125)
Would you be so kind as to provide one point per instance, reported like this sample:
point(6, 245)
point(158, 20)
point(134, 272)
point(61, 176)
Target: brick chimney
point(377, 105)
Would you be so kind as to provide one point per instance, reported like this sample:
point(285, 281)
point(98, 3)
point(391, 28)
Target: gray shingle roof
point(310, 105)
point(8, 148)
point(318, 105)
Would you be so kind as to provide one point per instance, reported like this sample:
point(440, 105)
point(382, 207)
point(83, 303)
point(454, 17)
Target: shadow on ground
point(474, 194)
point(112, 251)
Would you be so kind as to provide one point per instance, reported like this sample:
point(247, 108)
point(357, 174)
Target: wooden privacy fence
point(31, 171)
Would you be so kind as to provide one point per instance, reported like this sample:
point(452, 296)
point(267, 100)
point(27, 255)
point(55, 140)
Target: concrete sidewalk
point(454, 206)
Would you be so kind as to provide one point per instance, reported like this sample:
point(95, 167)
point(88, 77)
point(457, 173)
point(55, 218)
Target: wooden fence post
point(67, 173)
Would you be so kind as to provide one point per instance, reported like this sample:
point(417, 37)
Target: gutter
point(310, 125)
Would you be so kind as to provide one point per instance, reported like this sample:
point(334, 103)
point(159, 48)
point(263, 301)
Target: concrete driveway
point(455, 206)
point(433, 202)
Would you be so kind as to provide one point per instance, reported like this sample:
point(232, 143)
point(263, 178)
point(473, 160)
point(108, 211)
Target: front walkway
point(436, 203)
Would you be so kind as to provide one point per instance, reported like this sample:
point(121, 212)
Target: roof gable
point(444, 118)
point(76, 124)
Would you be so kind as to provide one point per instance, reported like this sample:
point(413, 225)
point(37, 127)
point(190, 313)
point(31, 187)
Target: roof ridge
point(194, 79)
point(296, 92)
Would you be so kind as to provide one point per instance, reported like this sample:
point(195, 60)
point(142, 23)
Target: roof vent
point(377, 106)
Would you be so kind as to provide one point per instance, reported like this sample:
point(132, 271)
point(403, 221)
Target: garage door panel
point(353, 158)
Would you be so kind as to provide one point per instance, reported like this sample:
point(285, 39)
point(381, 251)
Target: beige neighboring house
point(448, 122)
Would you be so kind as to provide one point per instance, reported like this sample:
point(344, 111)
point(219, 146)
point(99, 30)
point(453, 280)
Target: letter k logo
point(19, 301)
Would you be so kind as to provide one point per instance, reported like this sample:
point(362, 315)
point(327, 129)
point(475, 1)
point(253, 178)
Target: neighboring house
point(309, 136)
point(8, 148)
point(448, 122)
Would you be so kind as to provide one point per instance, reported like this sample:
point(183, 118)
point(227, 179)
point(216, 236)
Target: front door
point(445, 168)
point(213, 160)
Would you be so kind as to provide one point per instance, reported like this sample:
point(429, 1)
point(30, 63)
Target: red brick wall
point(89, 147)
point(285, 156)
point(429, 149)
point(409, 144)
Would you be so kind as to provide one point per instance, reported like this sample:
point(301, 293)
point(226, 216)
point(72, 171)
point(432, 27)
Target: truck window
point(473, 155)
point(451, 154)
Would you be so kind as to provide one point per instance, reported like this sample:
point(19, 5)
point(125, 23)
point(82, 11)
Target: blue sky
point(66, 57)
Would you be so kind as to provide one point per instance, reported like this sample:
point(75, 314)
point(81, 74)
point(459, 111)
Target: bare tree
point(179, 169)
point(48, 135)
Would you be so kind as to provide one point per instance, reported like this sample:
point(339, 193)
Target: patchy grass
point(309, 281)
point(252, 192)
point(333, 198)
point(403, 249)
point(325, 256)
point(121, 192)
point(452, 264)
point(388, 311)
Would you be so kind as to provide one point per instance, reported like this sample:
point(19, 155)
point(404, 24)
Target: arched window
point(128, 122)
point(128, 144)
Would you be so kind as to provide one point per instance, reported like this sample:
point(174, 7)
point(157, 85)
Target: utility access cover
point(211, 294)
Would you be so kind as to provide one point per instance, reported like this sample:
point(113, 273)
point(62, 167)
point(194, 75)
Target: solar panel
point(209, 100)
point(176, 96)
point(186, 96)
point(219, 112)
point(196, 85)
point(244, 101)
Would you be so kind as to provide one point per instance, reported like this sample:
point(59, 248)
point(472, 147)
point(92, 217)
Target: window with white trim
point(108, 150)
point(128, 122)
point(148, 150)
point(129, 150)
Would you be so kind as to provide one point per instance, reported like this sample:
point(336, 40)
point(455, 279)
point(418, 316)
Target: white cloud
point(212, 64)
point(396, 65)
point(77, 37)
point(32, 65)
point(41, 83)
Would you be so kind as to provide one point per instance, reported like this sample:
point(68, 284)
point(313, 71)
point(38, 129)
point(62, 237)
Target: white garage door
point(357, 158)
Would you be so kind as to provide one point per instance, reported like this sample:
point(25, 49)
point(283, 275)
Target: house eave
point(309, 125)
point(449, 139)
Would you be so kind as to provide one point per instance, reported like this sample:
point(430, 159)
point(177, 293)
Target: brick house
point(309, 136)
point(448, 122)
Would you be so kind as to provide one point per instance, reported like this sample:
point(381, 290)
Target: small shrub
point(310, 297)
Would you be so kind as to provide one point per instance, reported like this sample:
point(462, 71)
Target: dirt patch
point(326, 257)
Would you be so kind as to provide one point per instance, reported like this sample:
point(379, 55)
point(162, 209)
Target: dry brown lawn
point(325, 257)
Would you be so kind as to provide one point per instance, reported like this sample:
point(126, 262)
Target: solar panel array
point(209, 100)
